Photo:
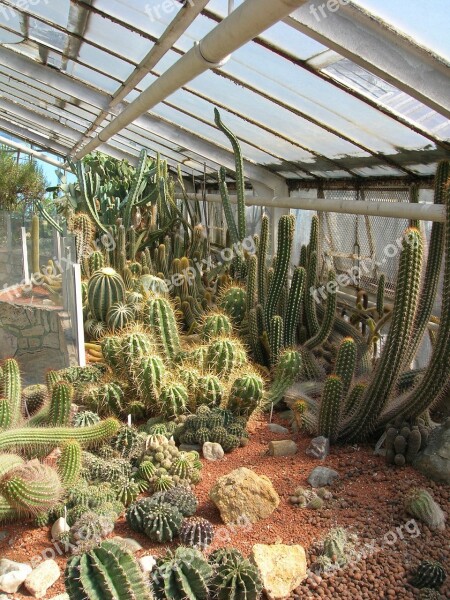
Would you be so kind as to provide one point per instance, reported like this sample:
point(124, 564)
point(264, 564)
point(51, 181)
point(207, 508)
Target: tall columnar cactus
point(149, 377)
point(254, 336)
point(5, 413)
point(235, 577)
point(293, 306)
point(224, 355)
point(84, 231)
point(159, 315)
point(105, 288)
point(226, 203)
point(35, 259)
point(31, 488)
point(327, 324)
point(330, 407)
point(12, 388)
point(246, 394)
point(214, 325)
point(240, 184)
point(183, 574)
point(234, 302)
point(262, 260)
point(380, 294)
point(107, 572)
point(60, 403)
point(69, 463)
point(173, 400)
point(284, 248)
point(252, 288)
point(276, 337)
point(312, 323)
point(346, 363)
point(51, 437)
point(389, 366)
point(286, 372)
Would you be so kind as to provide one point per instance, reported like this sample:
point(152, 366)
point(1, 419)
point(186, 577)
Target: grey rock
point(12, 575)
point(189, 447)
point(321, 476)
point(274, 428)
point(212, 451)
point(434, 460)
point(147, 563)
point(42, 578)
point(282, 448)
point(319, 447)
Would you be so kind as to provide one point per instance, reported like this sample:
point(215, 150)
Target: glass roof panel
point(50, 36)
point(98, 80)
point(97, 59)
point(11, 26)
point(56, 11)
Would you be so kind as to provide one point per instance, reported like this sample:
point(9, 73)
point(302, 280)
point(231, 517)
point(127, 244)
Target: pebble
point(42, 578)
point(274, 428)
point(282, 448)
point(147, 563)
point(12, 575)
point(321, 476)
point(319, 447)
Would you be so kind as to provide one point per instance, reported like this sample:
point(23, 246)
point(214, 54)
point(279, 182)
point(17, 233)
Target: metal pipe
point(31, 152)
point(396, 210)
point(242, 25)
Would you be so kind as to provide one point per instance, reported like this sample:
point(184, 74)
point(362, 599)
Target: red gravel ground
point(367, 500)
point(15, 297)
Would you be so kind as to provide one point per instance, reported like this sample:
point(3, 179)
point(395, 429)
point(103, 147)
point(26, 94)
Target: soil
point(367, 500)
point(24, 298)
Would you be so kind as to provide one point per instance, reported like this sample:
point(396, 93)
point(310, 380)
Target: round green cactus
point(234, 576)
point(224, 355)
point(214, 325)
point(234, 302)
point(119, 316)
point(134, 347)
point(196, 532)
point(420, 504)
point(105, 288)
point(162, 522)
point(183, 574)
point(104, 399)
point(183, 498)
point(173, 400)
point(246, 394)
point(209, 390)
point(429, 574)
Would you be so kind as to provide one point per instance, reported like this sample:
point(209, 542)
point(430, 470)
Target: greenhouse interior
point(225, 299)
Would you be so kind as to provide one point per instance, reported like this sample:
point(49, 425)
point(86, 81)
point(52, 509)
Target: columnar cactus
point(234, 576)
point(159, 315)
point(105, 288)
point(214, 325)
point(173, 400)
point(380, 294)
point(285, 236)
point(106, 572)
point(209, 390)
point(12, 388)
point(293, 306)
point(224, 355)
point(111, 350)
point(5, 413)
point(327, 324)
point(286, 372)
point(60, 404)
point(262, 260)
point(96, 261)
point(183, 574)
point(276, 337)
point(330, 408)
point(346, 363)
point(233, 301)
point(149, 377)
point(246, 394)
point(69, 463)
point(252, 288)
point(133, 348)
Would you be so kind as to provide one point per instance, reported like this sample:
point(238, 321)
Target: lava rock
point(282, 568)
point(319, 447)
point(212, 451)
point(321, 476)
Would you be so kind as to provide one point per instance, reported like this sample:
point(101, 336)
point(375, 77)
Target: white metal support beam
point(30, 151)
point(377, 47)
point(32, 137)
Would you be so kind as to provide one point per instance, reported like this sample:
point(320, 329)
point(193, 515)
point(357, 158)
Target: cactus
point(234, 577)
point(34, 397)
point(293, 310)
point(48, 438)
point(96, 261)
point(9, 462)
point(276, 337)
point(60, 404)
point(286, 372)
point(414, 444)
point(429, 574)
point(173, 400)
point(5, 413)
point(346, 363)
point(90, 528)
point(335, 546)
point(182, 574)
point(255, 334)
point(246, 394)
point(252, 288)
point(69, 463)
point(31, 488)
point(327, 324)
point(159, 315)
point(183, 499)
point(104, 399)
point(284, 248)
point(85, 418)
point(196, 532)
point(111, 351)
point(106, 572)
point(224, 355)
point(215, 325)
point(420, 504)
point(162, 522)
point(149, 377)
point(127, 442)
point(12, 388)
point(105, 288)
point(127, 490)
point(380, 295)
point(35, 259)
point(119, 315)
point(233, 301)
point(330, 407)
point(262, 260)
point(133, 348)
point(209, 390)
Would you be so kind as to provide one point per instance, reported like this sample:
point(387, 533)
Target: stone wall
point(38, 337)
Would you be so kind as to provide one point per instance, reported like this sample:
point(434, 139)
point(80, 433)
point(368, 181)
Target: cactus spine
point(60, 404)
point(104, 289)
point(284, 249)
point(330, 407)
point(294, 306)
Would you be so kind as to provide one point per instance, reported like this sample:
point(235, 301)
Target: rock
point(274, 428)
point(212, 451)
point(131, 544)
point(189, 447)
point(12, 575)
point(321, 476)
point(282, 448)
point(59, 597)
point(319, 447)
point(282, 568)
point(147, 563)
point(434, 461)
point(42, 578)
point(58, 527)
point(243, 496)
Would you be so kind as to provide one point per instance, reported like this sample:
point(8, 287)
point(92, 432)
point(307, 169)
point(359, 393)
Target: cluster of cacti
point(308, 498)
point(420, 504)
point(428, 574)
point(216, 425)
point(404, 441)
point(234, 576)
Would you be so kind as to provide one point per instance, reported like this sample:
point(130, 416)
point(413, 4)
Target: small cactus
point(234, 577)
point(196, 532)
point(420, 504)
point(429, 574)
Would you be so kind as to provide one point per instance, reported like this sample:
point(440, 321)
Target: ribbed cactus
point(60, 403)
point(209, 390)
point(5, 413)
point(312, 324)
point(162, 522)
point(69, 463)
point(119, 316)
point(183, 498)
point(107, 572)
point(173, 400)
point(388, 368)
point(31, 488)
point(334, 546)
point(224, 355)
point(35, 259)
point(293, 310)
point(134, 347)
point(149, 376)
point(255, 336)
point(33, 396)
point(183, 574)
point(105, 288)
point(215, 325)
point(96, 261)
point(246, 394)
point(420, 504)
point(196, 532)
point(353, 399)
point(429, 574)
point(327, 324)
point(51, 437)
point(262, 260)
point(330, 407)
point(112, 350)
point(105, 399)
point(12, 388)
point(252, 287)
point(285, 236)
point(160, 317)
point(346, 363)
point(286, 372)
point(233, 301)
point(137, 513)
point(380, 294)
point(235, 577)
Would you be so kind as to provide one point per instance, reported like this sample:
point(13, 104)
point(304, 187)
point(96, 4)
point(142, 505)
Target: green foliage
point(21, 182)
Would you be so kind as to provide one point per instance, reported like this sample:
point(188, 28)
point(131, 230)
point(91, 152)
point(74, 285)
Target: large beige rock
point(282, 568)
point(243, 496)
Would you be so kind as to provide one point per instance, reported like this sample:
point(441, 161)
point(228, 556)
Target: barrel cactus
point(119, 315)
point(173, 400)
point(233, 301)
point(162, 522)
point(196, 532)
point(182, 574)
point(246, 394)
point(234, 576)
point(183, 498)
point(209, 390)
point(105, 288)
point(216, 325)
point(420, 504)
point(429, 574)
point(224, 355)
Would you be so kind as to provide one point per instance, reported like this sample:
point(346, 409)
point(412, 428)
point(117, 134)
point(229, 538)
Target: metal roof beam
point(30, 151)
point(377, 47)
point(32, 137)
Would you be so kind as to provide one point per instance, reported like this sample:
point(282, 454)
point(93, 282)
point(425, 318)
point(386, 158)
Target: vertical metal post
point(9, 243)
point(26, 269)
point(78, 314)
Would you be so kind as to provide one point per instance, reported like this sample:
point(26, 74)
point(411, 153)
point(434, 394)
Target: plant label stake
point(129, 420)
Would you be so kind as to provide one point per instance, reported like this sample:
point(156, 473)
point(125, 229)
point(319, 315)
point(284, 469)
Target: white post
point(79, 315)
point(26, 269)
